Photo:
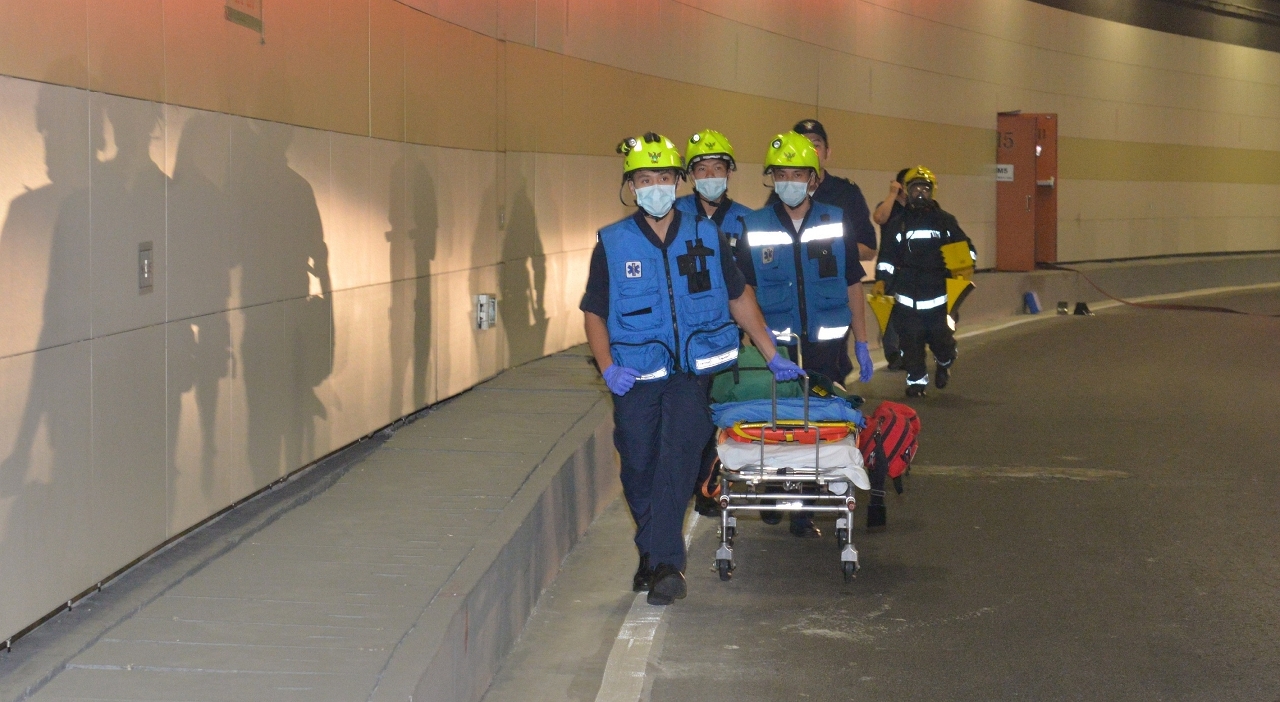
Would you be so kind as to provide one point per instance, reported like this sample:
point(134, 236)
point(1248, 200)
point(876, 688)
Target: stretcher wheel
point(849, 568)
point(725, 568)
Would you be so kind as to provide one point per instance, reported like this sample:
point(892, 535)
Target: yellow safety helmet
point(921, 173)
point(791, 150)
point(649, 150)
point(709, 143)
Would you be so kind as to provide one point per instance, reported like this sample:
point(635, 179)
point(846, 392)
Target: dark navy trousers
point(660, 429)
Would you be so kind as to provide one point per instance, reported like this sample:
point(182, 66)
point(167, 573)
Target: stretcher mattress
point(838, 459)
point(820, 410)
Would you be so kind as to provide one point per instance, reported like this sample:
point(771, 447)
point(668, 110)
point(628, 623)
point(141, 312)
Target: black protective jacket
point(910, 260)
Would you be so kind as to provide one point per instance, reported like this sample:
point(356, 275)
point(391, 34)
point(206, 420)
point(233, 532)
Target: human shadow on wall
point(521, 301)
point(199, 254)
point(287, 347)
point(414, 220)
point(45, 238)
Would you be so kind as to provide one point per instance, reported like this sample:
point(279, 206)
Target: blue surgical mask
point(711, 188)
point(791, 192)
point(656, 199)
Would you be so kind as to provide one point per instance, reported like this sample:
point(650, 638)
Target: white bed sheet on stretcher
point(839, 459)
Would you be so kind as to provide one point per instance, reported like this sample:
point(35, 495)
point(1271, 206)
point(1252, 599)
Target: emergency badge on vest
point(766, 255)
point(633, 269)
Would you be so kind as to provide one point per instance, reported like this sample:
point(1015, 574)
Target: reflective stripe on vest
point(656, 375)
point(775, 238)
point(828, 333)
point(885, 266)
point(822, 232)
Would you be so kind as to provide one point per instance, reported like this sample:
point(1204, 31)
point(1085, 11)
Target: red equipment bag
point(888, 444)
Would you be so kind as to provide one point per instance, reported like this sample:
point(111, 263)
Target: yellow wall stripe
point(1101, 159)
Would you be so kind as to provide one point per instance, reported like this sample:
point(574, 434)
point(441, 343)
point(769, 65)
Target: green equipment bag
point(751, 379)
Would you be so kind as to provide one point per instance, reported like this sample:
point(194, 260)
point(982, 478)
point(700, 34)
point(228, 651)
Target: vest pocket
point(710, 350)
point(705, 307)
point(652, 359)
point(831, 293)
point(774, 295)
point(639, 313)
point(638, 276)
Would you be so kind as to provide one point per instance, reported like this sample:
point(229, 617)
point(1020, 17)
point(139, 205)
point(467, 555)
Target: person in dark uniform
point(663, 295)
point(709, 159)
point(802, 261)
point(912, 269)
point(891, 207)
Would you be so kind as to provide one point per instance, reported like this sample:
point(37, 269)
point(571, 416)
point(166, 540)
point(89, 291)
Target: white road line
point(1108, 304)
point(688, 529)
point(624, 673)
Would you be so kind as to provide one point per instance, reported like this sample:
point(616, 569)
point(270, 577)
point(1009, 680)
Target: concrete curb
point(456, 646)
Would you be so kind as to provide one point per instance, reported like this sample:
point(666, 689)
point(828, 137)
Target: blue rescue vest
point(668, 308)
point(730, 225)
point(800, 285)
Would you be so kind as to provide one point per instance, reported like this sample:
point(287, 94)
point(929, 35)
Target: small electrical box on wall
point(146, 269)
point(486, 309)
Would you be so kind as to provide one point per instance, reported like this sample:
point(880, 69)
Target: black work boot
point(770, 516)
point(644, 575)
point(706, 506)
point(916, 390)
point(895, 361)
point(802, 528)
point(943, 376)
point(668, 585)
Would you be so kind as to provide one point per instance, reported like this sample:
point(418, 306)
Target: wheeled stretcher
point(808, 462)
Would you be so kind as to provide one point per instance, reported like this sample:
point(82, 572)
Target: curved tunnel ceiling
point(1252, 23)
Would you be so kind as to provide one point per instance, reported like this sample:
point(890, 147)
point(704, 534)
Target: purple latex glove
point(783, 369)
point(620, 378)
point(865, 365)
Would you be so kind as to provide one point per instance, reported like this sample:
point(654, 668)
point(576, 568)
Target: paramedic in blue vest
point(663, 295)
point(709, 159)
point(802, 263)
point(912, 269)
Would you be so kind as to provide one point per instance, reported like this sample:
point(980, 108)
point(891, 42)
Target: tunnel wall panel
point(323, 200)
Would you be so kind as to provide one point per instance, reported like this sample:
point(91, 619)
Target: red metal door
point(1046, 202)
point(1015, 192)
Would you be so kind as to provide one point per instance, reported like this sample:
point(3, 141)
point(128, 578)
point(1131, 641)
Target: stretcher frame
point(767, 482)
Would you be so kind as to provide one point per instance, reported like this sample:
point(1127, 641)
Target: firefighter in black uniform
point(912, 269)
